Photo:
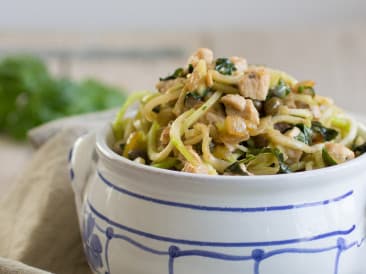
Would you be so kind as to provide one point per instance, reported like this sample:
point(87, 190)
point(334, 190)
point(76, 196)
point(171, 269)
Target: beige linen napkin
point(38, 222)
point(13, 267)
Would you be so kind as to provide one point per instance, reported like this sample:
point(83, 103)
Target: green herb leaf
point(360, 149)
point(281, 90)
point(254, 152)
point(179, 72)
point(196, 95)
point(190, 68)
point(305, 135)
point(236, 169)
point(225, 66)
point(328, 160)
point(327, 133)
point(284, 168)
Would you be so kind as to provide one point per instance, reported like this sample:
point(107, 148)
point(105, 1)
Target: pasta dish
point(224, 116)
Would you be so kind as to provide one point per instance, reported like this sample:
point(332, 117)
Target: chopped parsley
point(225, 66)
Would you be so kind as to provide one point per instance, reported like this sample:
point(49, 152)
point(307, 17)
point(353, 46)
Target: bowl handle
point(80, 165)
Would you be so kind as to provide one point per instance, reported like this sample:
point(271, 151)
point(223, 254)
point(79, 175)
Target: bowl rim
point(112, 157)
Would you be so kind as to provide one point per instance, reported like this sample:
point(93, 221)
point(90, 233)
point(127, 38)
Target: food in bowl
point(223, 116)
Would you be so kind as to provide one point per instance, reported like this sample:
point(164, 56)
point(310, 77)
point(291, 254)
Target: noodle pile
point(223, 116)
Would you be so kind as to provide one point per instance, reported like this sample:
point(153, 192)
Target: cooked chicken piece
point(292, 133)
point(163, 86)
point(197, 168)
point(250, 113)
point(232, 140)
point(200, 169)
point(293, 155)
point(234, 101)
point(240, 63)
point(255, 83)
point(315, 110)
point(201, 54)
point(236, 126)
point(213, 117)
point(339, 152)
point(197, 80)
point(164, 136)
point(235, 130)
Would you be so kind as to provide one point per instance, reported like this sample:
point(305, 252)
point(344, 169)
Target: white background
point(89, 15)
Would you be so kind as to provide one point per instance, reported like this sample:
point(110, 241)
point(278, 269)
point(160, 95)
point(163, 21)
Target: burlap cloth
point(38, 222)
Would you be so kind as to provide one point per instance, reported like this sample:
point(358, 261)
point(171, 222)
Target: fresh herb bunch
point(30, 96)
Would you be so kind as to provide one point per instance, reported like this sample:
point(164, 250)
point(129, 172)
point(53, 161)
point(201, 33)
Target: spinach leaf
point(305, 135)
point(196, 95)
point(360, 149)
point(284, 168)
point(225, 66)
point(236, 169)
point(281, 90)
point(327, 133)
point(253, 152)
point(190, 68)
point(179, 72)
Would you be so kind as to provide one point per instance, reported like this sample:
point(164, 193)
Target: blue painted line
point(72, 174)
point(225, 209)
point(211, 254)
point(106, 256)
point(141, 246)
point(220, 244)
point(70, 155)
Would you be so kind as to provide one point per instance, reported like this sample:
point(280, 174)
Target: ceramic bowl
point(137, 219)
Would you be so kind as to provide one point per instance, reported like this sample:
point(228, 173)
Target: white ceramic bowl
point(137, 219)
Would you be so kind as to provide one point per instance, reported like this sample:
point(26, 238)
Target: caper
point(272, 106)
point(258, 105)
point(260, 141)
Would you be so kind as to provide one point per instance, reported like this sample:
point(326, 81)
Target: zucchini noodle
point(288, 119)
point(352, 132)
point(219, 165)
point(159, 100)
point(220, 116)
point(152, 152)
point(175, 133)
point(225, 88)
point(202, 109)
point(119, 122)
point(277, 138)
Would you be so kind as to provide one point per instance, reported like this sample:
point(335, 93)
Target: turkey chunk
point(199, 167)
point(250, 112)
point(255, 83)
point(339, 152)
point(201, 54)
point(240, 63)
point(234, 101)
point(293, 155)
